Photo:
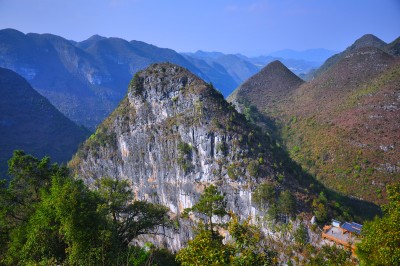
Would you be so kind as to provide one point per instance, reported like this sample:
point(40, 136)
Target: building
point(345, 234)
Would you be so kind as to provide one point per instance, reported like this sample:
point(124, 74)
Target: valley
point(154, 160)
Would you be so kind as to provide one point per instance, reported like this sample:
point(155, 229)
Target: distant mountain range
point(241, 67)
point(29, 122)
point(86, 80)
point(310, 55)
point(343, 126)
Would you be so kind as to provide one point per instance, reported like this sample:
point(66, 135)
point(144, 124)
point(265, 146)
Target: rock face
point(171, 136)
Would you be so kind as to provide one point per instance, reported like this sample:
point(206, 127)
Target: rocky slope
point(343, 126)
point(367, 40)
point(29, 122)
point(171, 136)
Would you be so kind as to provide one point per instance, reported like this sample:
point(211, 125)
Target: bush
point(264, 195)
point(136, 84)
point(286, 203)
point(253, 168)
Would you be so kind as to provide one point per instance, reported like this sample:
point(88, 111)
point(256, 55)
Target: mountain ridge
point(367, 40)
point(29, 122)
point(331, 124)
point(78, 81)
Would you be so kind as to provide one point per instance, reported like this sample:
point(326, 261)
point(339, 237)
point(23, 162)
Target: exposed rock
point(170, 137)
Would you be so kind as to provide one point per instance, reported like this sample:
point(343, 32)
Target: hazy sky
point(251, 27)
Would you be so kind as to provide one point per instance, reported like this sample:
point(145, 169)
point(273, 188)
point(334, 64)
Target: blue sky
point(251, 27)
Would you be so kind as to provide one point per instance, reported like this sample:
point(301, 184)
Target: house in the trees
point(345, 234)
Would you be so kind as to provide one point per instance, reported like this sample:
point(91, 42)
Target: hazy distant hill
point(228, 70)
point(84, 80)
point(343, 126)
point(310, 55)
point(216, 73)
point(239, 67)
point(29, 122)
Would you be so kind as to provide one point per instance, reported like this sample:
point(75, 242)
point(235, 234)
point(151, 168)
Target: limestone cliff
point(172, 135)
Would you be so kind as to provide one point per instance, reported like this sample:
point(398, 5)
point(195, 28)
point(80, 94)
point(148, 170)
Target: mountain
point(393, 48)
point(310, 55)
point(204, 55)
point(84, 80)
point(238, 68)
point(173, 135)
point(343, 126)
point(225, 71)
point(29, 122)
point(367, 40)
point(274, 83)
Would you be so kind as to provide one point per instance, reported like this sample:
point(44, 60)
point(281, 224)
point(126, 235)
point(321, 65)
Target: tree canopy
point(48, 218)
point(381, 237)
point(207, 248)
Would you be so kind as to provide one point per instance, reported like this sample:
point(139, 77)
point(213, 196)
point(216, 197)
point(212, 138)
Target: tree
point(380, 244)
point(19, 198)
point(286, 203)
point(301, 236)
point(205, 249)
point(211, 203)
point(264, 195)
point(66, 227)
point(48, 218)
point(320, 208)
point(331, 256)
point(129, 219)
point(28, 176)
point(248, 246)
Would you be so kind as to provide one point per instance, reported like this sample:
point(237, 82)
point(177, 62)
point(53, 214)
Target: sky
point(250, 27)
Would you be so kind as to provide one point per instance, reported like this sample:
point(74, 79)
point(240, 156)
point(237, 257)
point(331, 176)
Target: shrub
point(253, 168)
point(136, 84)
point(264, 195)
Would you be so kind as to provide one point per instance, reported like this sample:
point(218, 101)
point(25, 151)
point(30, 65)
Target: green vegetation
point(48, 218)
point(380, 244)
point(207, 248)
point(287, 203)
point(211, 203)
point(136, 84)
point(320, 208)
point(185, 156)
point(264, 195)
point(253, 168)
point(251, 113)
point(331, 256)
point(234, 171)
point(301, 236)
